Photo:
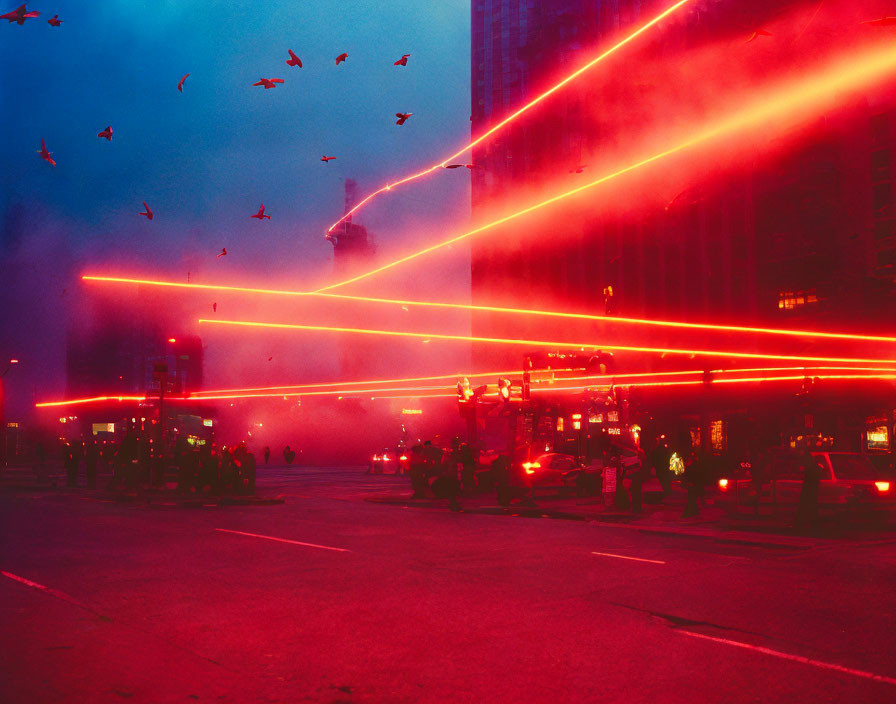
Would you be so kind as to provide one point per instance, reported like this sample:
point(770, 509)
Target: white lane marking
point(282, 540)
point(626, 557)
point(47, 590)
point(795, 658)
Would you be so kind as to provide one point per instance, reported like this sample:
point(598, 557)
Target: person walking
point(807, 509)
point(693, 480)
point(92, 459)
point(267, 454)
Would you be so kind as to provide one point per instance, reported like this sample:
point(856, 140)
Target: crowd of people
point(138, 461)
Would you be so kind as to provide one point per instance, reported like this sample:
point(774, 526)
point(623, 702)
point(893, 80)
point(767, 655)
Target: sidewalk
point(663, 515)
point(24, 479)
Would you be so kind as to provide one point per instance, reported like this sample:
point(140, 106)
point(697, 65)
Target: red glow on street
point(514, 115)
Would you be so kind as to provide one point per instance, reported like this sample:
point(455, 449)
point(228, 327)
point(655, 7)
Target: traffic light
point(504, 389)
point(464, 392)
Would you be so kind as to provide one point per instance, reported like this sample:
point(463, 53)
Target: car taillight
point(376, 458)
point(882, 486)
point(385, 458)
point(723, 484)
point(530, 467)
point(403, 458)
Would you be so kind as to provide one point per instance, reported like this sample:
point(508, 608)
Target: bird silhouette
point(260, 214)
point(44, 154)
point(403, 61)
point(293, 60)
point(106, 133)
point(215, 307)
point(54, 21)
point(758, 33)
point(148, 213)
point(223, 252)
point(269, 82)
point(402, 117)
point(341, 58)
point(180, 83)
point(327, 159)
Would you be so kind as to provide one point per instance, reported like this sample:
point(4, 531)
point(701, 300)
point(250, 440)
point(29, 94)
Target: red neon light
point(855, 71)
point(545, 343)
point(499, 309)
point(93, 399)
point(513, 116)
point(387, 393)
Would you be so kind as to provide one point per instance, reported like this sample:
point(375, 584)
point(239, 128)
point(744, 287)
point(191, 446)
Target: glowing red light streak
point(546, 343)
point(854, 71)
point(499, 309)
point(634, 35)
point(93, 399)
point(387, 393)
point(346, 385)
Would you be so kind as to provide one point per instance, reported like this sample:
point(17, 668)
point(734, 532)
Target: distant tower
point(351, 247)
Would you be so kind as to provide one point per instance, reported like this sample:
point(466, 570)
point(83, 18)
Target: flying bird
point(269, 82)
point(402, 117)
point(223, 252)
point(327, 159)
point(260, 214)
point(403, 61)
point(148, 213)
point(44, 154)
point(882, 22)
point(19, 15)
point(54, 21)
point(293, 60)
point(578, 169)
point(339, 59)
point(180, 83)
point(107, 133)
point(270, 358)
point(758, 33)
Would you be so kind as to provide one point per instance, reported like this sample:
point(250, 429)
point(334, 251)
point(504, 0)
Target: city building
point(803, 237)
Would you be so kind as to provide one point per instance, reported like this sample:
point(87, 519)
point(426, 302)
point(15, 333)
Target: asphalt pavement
point(332, 597)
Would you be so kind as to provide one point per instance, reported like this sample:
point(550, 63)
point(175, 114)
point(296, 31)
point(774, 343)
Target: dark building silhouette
point(803, 237)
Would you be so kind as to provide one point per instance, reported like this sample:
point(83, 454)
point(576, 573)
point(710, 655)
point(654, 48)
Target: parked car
point(849, 481)
point(389, 461)
point(550, 470)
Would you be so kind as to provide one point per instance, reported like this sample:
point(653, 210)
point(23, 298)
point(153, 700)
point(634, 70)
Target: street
point(329, 597)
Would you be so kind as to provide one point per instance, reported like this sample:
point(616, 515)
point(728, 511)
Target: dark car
point(389, 461)
point(848, 481)
point(551, 470)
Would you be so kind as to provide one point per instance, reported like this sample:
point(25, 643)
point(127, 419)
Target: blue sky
point(206, 159)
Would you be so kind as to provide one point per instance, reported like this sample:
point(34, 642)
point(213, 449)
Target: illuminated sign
point(878, 438)
point(612, 416)
point(12, 425)
point(103, 428)
point(208, 422)
point(411, 412)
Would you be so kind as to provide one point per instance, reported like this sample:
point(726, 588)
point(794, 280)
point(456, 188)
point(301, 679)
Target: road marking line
point(626, 557)
point(795, 658)
point(53, 592)
point(282, 540)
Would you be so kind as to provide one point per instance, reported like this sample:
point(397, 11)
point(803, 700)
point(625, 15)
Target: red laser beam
point(854, 71)
point(499, 309)
point(631, 37)
point(546, 343)
point(380, 393)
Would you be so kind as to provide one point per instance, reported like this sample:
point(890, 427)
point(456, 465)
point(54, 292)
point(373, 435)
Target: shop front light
point(723, 484)
point(882, 487)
